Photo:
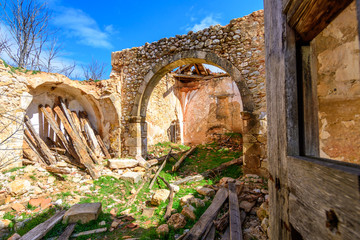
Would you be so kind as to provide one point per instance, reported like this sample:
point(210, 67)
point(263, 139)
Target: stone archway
point(238, 48)
point(138, 123)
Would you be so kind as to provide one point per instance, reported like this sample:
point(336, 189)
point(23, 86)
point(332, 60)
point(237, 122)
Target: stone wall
point(14, 98)
point(336, 52)
point(164, 108)
point(237, 48)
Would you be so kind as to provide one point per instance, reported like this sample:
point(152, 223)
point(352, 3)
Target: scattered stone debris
point(39, 196)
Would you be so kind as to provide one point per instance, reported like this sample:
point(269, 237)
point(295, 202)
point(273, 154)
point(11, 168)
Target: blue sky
point(94, 29)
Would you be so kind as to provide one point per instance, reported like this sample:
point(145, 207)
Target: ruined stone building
point(312, 80)
point(300, 120)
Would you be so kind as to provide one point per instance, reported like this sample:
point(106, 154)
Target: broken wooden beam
point(50, 116)
point(210, 233)
point(171, 199)
point(103, 148)
point(56, 170)
point(41, 146)
point(100, 230)
point(30, 152)
point(77, 129)
point(40, 230)
point(234, 213)
point(90, 134)
point(159, 170)
point(67, 232)
point(178, 163)
point(209, 215)
point(78, 145)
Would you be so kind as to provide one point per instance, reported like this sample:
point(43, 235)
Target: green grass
point(163, 148)
point(13, 169)
point(114, 193)
point(9, 215)
point(36, 220)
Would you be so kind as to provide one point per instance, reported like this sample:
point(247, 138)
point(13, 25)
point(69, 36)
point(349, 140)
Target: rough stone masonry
point(237, 48)
point(117, 106)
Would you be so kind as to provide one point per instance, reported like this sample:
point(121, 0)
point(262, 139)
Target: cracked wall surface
point(336, 50)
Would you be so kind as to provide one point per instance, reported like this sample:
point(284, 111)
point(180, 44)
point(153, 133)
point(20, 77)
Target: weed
point(63, 195)
point(33, 177)
point(9, 216)
point(30, 207)
point(12, 177)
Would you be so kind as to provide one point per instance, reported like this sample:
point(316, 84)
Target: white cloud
point(206, 22)
point(76, 23)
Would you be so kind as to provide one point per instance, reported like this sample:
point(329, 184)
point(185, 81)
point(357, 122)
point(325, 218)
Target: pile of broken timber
point(230, 224)
point(78, 145)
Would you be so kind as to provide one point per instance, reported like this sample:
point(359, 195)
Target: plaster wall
point(336, 50)
point(212, 110)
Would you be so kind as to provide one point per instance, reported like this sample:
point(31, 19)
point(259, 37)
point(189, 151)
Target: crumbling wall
point(14, 100)
point(204, 110)
point(23, 91)
point(163, 109)
point(211, 110)
point(336, 52)
point(237, 48)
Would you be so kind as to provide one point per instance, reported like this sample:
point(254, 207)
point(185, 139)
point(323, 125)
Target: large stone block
point(122, 163)
point(133, 177)
point(160, 196)
point(19, 187)
point(83, 213)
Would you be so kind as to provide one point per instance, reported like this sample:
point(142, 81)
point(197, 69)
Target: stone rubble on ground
point(160, 196)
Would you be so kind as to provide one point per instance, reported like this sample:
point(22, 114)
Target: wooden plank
point(171, 199)
point(71, 123)
point(178, 163)
point(77, 124)
point(234, 211)
point(159, 170)
point(89, 132)
point(68, 231)
point(226, 235)
point(43, 148)
point(310, 199)
point(56, 170)
point(50, 116)
point(78, 145)
point(310, 104)
point(310, 17)
point(31, 143)
point(40, 230)
point(77, 127)
point(209, 215)
point(103, 147)
point(210, 234)
point(281, 81)
point(99, 230)
point(30, 153)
